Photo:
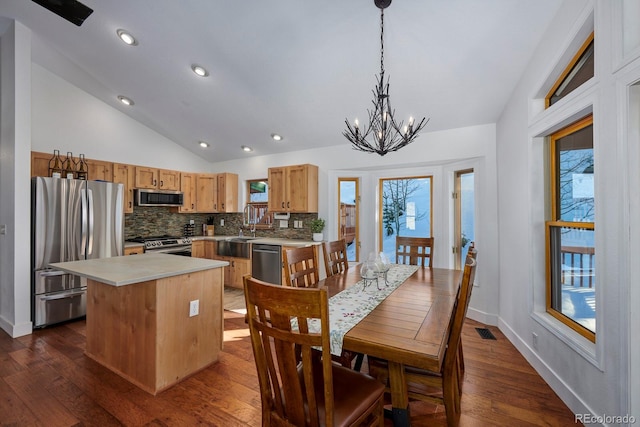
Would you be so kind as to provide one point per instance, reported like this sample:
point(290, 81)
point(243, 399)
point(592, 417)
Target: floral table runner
point(352, 305)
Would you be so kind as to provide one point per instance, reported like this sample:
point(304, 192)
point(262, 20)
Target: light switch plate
point(194, 308)
point(284, 223)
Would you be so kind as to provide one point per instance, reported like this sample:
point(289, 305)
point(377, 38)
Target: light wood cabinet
point(188, 186)
point(293, 188)
point(134, 250)
point(209, 249)
point(99, 170)
point(124, 174)
point(40, 163)
point(206, 189)
point(217, 192)
point(197, 249)
point(237, 268)
point(157, 179)
point(226, 194)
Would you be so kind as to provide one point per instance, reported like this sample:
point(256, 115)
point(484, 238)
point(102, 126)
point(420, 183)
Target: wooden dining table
point(409, 327)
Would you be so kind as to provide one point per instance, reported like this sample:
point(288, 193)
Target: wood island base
point(144, 333)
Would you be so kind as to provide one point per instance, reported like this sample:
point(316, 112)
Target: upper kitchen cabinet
point(157, 179)
point(188, 186)
point(40, 163)
point(293, 188)
point(99, 170)
point(226, 193)
point(125, 174)
point(216, 192)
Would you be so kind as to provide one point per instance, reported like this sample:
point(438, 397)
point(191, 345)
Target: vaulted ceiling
point(298, 68)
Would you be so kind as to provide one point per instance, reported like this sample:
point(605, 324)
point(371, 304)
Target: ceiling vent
point(71, 10)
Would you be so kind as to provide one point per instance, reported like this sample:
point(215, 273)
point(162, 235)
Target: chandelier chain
point(382, 42)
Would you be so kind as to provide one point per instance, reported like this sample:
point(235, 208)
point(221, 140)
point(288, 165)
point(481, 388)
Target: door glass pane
point(347, 229)
point(467, 213)
point(405, 210)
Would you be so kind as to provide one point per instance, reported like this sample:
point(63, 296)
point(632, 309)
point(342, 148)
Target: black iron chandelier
point(383, 134)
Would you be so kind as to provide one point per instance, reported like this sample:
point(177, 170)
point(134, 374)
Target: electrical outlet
point(3, 229)
point(222, 222)
point(194, 308)
point(534, 340)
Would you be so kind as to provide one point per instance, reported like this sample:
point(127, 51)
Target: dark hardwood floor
point(45, 380)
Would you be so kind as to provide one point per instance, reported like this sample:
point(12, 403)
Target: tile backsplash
point(158, 221)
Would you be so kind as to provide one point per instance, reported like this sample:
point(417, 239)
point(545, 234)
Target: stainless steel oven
point(165, 244)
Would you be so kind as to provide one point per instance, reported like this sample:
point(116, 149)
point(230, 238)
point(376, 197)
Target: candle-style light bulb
point(356, 123)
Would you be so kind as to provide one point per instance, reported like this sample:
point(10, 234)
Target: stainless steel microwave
point(158, 197)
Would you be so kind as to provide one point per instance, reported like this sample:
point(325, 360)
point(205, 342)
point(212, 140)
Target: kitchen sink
point(239, 247)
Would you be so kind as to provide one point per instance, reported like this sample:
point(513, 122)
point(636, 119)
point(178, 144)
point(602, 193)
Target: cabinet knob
point(161, 184)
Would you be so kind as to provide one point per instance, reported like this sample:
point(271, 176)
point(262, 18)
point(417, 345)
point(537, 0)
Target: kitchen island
point(152, 318)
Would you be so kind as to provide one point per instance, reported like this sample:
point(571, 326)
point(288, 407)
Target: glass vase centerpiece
point(369, 273)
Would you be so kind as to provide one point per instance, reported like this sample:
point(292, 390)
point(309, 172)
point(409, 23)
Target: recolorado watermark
point(604, 419)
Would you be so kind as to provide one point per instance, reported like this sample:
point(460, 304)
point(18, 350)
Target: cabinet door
point(146, 177)
point(197, 249)
point(168, 180)
point(124, 174)
point(277, 189)
point(205, 191)
point(227, 192)
point(40, 163)
point(134, 250)
point(302, 185)
point(239, 267)
point(99, 170)
point(188, 187)
point(209, 249)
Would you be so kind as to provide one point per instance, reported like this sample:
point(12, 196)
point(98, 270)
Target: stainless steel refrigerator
point(72, 220)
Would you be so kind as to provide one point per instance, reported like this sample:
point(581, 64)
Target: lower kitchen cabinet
point(197, 249)
point(134, 250)
point(236, 269)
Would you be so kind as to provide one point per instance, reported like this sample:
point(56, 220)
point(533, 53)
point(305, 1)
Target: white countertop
point(126, 270)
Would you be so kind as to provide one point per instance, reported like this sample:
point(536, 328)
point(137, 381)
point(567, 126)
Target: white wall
point(590, 378)
point(437, 154)
point(66, 118)
point(15, 88)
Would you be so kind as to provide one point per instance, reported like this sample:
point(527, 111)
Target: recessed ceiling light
point(276, 137)
point(203, 144)
point(200, 70)
point(125, 100)
point(247, 149)
point(127, 37)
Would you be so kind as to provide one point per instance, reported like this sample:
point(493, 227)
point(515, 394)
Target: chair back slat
point(414, 250)
point(335, 257)
point(301, 266)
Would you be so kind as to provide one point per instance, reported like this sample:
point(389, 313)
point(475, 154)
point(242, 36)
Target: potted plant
point(317, 225)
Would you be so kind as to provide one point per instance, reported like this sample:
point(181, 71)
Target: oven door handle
point(170, 250)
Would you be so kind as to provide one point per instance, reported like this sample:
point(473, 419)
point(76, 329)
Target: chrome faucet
point(254, 211)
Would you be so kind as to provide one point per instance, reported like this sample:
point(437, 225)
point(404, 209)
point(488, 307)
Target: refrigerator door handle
point(85, 214)
point(91, 215)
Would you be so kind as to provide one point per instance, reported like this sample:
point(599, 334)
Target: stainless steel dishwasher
point(266, 263)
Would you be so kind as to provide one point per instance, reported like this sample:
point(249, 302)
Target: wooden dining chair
point(442, 387)
point(335, 257)
point(299, 384)
point(414, 250)
point(301, 266)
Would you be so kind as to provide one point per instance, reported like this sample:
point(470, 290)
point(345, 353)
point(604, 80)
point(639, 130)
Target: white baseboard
point(16, 331)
